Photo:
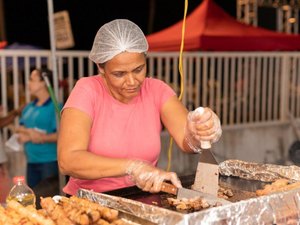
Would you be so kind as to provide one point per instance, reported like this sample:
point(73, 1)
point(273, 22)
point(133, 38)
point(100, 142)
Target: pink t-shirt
point(119, 130)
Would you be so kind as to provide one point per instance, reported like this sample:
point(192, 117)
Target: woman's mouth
point(131, 90)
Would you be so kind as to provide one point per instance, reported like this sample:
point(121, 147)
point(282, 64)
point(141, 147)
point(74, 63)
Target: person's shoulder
point(154, 83)
point(90, 82)
point(150, 81)
point(30, 104)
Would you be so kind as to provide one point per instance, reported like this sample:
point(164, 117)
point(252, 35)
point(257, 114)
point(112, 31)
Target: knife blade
point(188, 193)
point(207, 174)
point(207, 156)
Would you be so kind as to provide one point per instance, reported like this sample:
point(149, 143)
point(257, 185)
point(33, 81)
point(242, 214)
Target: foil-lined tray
point(280, 208)
point(134, 210)
point(257, 171)
point(244, 178)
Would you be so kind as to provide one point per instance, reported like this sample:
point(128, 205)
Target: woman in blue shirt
point(38, 130)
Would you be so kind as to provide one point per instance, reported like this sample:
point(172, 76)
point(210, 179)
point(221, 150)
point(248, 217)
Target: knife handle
point(169, 188)
point(205, 144)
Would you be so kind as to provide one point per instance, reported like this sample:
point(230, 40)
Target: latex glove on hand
point(149, 178)
point(203, 126)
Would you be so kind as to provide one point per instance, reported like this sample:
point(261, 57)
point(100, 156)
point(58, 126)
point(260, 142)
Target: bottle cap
point(18, 178)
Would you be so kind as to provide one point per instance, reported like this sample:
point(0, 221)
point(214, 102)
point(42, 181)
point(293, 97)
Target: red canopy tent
point(210, 28)
point(3, 44)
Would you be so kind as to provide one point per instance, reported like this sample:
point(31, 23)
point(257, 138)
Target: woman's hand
point(203, 125)
point(21, 129)
point(29, 134)
point(149, 178)
point(36, 136)
point(23, 138)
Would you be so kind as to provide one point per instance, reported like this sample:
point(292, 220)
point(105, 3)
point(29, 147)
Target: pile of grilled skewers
point(67, 211)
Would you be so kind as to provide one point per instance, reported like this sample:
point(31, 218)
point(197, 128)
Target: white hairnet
point(117, 36)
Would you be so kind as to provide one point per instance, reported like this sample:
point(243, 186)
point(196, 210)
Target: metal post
point(53, 48)
point(62, 180)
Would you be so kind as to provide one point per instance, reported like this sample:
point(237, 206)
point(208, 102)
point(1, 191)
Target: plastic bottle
point(21, 192)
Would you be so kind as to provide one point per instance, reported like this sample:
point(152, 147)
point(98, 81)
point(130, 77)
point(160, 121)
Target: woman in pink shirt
point(110, 125)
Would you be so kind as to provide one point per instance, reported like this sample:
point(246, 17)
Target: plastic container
point(21, 192)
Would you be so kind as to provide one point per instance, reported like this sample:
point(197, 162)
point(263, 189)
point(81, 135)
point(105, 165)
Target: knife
point(188, 193)
point(207, 174)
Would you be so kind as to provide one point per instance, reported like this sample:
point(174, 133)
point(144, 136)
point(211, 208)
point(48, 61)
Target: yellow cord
point(181, 78)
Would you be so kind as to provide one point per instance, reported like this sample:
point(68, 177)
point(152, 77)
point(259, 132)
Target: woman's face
point(124, 75)
point(35, 83)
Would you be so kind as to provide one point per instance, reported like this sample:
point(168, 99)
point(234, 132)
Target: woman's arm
point(73, 156)
point(6, 120)
point(75, 160)
point(190, 129)
point(174, 118)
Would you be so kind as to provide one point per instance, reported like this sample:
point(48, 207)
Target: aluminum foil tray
point(280, 208)
point(136, 210)
point(258, 171)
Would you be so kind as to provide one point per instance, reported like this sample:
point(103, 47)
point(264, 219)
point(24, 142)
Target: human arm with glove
point(191, 130)
point(73, 144)
point(150, 178)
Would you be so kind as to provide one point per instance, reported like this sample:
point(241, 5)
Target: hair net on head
point(117, 36)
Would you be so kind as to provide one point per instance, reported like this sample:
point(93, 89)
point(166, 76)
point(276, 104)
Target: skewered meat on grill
point(82, 211)
point(27, 215)
point(193, 204)
point(68, 211)
point(9, 216)
point(105, 213)
point(224, 193)
point(55, 211)
point(197, 203)
point(278, 186)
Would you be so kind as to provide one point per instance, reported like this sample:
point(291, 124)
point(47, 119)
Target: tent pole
point(52, 44)
point(62, 178)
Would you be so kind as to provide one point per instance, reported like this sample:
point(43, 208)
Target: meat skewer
point(55, 211)
point(68, 211)
point(32, 215)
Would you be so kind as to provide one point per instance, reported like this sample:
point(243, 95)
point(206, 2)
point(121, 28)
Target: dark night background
point(27, 21)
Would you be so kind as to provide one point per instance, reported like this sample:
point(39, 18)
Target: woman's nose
point(130, 79)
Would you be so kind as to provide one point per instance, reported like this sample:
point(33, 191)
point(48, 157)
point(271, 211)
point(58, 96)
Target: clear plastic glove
point(149, 178)
point(203, 127)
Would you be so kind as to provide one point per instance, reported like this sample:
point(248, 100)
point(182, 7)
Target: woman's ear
point(100, 69)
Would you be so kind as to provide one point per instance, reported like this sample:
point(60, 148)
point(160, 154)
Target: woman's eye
point(138, 70)
point(118, 74)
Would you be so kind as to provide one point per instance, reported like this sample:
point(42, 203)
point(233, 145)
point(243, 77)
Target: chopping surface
point(242, 189)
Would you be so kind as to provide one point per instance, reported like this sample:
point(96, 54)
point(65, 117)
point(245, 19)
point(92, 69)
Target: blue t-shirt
point(42, 118)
